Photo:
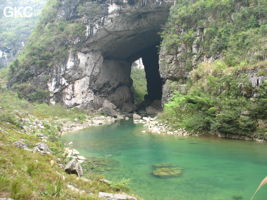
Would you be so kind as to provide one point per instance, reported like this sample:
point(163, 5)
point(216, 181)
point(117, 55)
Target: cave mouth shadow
point(154, 82)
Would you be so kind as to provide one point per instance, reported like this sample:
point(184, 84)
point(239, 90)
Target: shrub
point(218, 102)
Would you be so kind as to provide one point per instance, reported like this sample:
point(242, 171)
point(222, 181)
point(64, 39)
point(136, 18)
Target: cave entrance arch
point(133, 36)
point(114, 81)
point(124, 98)
point(99, 72)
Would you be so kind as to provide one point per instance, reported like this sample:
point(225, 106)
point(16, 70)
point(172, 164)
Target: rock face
point(4, 58)
point(74, 167)
point(41, 148)
point(180, 57)
point(174, 68)
point(96, 70)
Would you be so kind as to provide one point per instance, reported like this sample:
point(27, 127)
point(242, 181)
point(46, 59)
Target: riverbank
point(31, 152)
point(92, 121)
point(155, 125)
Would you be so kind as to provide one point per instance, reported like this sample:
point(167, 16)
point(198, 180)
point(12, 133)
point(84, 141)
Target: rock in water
point(167, 172)
point(74, 167)
point(111, 196)
point(136, 116)
point(41, 148)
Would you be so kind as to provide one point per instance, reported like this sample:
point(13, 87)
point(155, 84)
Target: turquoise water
point(213, 169)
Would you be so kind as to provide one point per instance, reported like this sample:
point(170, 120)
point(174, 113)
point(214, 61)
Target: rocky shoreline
point(73, 161)
point(70, 127)
point(154, 126)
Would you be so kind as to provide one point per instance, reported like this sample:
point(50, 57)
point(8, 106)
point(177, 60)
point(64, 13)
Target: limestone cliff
point(214, 66)
point(85, 51)
point(207, 31)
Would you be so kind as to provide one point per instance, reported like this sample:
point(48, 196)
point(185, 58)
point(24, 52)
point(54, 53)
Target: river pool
point(212, 168)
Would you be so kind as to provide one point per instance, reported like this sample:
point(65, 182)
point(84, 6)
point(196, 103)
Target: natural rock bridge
point(97, 74)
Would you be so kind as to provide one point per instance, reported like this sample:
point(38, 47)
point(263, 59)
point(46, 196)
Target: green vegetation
point(232, 29)
point(219, 97)
point(3, 77)
point(26, 175)
point(10, 103)
point(15, 30)
point(39, 52)
point(139, 84)
point(48, 45)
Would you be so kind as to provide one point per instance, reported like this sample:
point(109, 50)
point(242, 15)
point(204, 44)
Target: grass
point(11, 103)
point(25, 175)
point(3, 77)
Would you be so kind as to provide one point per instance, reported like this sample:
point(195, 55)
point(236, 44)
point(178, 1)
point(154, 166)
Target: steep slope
point(213, 55)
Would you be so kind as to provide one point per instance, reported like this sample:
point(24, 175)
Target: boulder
point(111, 196)
point(81, 159)
point(21, 145)
point(154, 108)
point(42, 136)
point(41, 148)
point(70, 153)
point(75, 189)
point(74, 167)
point(109, 109)
point(105, 181)
point(136, 116)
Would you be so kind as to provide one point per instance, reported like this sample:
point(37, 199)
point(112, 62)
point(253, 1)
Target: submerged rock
point(167, 172)
point(111, 196)
point(74, 167)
